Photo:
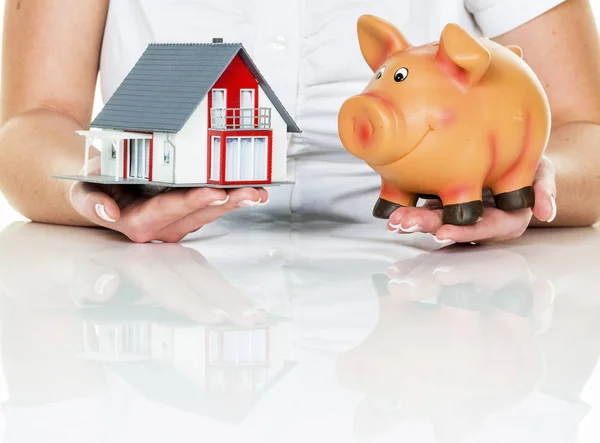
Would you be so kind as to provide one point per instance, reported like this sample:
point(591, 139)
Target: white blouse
point(308, 51)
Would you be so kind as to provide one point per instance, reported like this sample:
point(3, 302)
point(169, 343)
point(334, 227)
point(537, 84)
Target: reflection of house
point(216, 371)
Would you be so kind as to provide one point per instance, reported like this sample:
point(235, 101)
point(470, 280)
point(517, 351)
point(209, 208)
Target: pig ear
point(469, 58)
point(378, 39)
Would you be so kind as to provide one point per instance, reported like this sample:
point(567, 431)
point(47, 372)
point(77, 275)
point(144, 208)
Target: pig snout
point(371, 129)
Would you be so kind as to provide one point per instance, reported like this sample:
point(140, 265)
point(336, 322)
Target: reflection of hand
point(167, 216)
point(454, 362)
point(442, 273)
point(496, 225)
point(172, 276)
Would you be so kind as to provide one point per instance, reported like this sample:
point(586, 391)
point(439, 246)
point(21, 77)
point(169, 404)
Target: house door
point(139, 158)
point(246, 159)
point(246, 107)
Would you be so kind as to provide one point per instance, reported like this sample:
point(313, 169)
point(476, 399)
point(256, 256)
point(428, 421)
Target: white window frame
point(222, 120)
point(241, 122)
point(167, 153)
point(212, 158)
point(228, 160)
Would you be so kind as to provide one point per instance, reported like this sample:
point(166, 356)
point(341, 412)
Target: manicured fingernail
point(395, 228)
point(219, 202)
point(263, 203)
point(442, 241)
point(102, 284)
point(101, 211)
point(221, 314)
point(553, 203)
point(248, 203)
point(252, 313)
point(408, 283)
point(413, 228)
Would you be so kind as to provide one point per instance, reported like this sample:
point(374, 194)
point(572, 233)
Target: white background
point(590, 429)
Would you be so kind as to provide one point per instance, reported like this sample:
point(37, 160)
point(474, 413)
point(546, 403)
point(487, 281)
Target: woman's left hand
point(496, 225)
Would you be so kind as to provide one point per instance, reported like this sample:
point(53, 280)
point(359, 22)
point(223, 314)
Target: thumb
point(95, 205)
point(545, 191)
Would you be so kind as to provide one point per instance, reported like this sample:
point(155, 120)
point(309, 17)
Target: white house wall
point(191, 148)
point(280, 138)
point(161, 171)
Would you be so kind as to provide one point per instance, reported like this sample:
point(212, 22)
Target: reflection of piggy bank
point(446, 120)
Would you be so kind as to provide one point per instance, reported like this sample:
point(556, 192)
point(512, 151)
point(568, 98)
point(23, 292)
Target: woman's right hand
point(167, 216)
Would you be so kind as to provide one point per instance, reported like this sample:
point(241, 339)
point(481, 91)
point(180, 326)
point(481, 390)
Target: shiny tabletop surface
point(314, 333)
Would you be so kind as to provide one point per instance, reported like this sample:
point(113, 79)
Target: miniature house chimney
point(217, 40)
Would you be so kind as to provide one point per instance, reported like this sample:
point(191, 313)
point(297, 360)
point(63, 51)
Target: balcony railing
point(240, 118)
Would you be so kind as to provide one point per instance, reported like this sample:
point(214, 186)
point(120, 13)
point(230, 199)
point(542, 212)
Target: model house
point(192, 114)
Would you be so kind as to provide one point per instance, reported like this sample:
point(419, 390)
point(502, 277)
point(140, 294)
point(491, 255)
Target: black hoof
point(463, 213)
point(383, 209)
point(515, 200)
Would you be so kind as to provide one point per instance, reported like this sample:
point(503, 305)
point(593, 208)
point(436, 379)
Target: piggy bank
point(446, 120)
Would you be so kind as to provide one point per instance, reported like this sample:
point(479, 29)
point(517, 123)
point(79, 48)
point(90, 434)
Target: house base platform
point(108, 180)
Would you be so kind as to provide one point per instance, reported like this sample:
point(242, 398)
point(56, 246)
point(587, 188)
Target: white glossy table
point(311, 333)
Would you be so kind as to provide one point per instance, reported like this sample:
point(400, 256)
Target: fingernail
point(101, 211)
point(221, 314)
point(263, 203)
point(102, 284)
point(395, 228)
point(442, 241)
point(554, 210)
point(219, 202)
point(248, 203)
point(408, 283)
point(442, 270)
point(413, 228)
point(251, 313)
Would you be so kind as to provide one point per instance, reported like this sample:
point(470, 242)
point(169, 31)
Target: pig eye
point(401, 74)
point(380, 73)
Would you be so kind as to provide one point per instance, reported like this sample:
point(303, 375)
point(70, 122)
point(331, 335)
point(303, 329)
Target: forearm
point(574, 149)
point(34, 147)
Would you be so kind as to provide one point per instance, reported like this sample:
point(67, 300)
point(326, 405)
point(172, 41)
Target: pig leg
point(390, 199)
point(462, 205)
point(514, 190)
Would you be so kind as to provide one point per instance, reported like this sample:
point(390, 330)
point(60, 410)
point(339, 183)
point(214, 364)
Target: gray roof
point(168, 83)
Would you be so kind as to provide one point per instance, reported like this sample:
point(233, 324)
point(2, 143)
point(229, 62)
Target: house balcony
point(240, 118)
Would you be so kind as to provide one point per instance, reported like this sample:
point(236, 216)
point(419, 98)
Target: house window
point(215, 155)
point(246, 159)
point(247, 108)
point(167, 152)
point(139, 159)
point(238, 347)
point(219, 100)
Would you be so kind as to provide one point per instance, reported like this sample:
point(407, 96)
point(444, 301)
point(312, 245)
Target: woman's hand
point(168, 216)
point(496, 225)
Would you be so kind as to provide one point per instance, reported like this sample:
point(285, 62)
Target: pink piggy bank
point(446, 120)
